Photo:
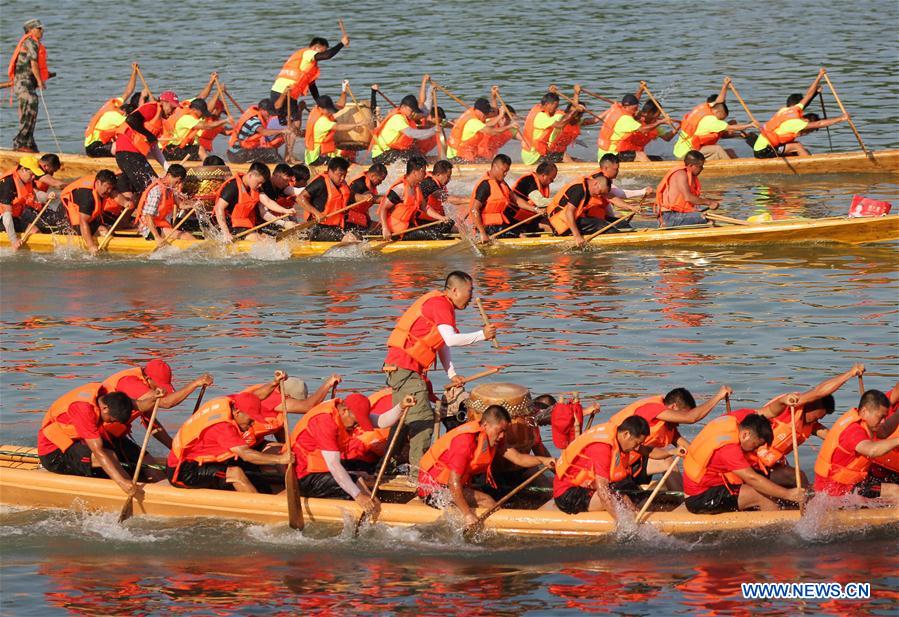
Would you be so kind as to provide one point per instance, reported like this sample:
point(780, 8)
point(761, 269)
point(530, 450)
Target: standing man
point(298, 75)
point(678, 196)
point(28, 72)
point(140, 137)
point(427, 330)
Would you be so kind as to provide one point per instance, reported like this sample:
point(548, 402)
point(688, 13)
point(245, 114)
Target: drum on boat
point(202, 182)
point(355, 124)
point(515, 398)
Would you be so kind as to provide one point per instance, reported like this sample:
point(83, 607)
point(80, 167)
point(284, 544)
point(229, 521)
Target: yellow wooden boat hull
point(23, 485)
point(881, 162)
point(841, 230)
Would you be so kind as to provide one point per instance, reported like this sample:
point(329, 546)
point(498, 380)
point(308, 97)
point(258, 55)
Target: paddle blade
point(294, 507)
point(127, 509)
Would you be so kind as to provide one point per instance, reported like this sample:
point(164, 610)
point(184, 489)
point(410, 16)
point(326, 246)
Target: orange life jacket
point(166, 205)
point(291, 70)
point(85, 182)
point(258, 431)
point(188, 137)
point(207, 136)
point(105, 136)
point(691, 123)
point(423, 349)
point(622, 465)
point(405, 214)
point(604, 141)
point(118, 429)
point(168, 124)
point(24, 193)
point(661, 433)
point(720, 432)
point(540, 142)
point(338, 197)
point(856, 469)
point(253, 141)
point(434, 200)
point(153, 125)
point(315, 462)
point(359, 214)
point(61, 434)
point(494, 211)
point(665, 202)
point(556, 213)
point(328, 145)
point(371, 445)
point(565, 137)
point(771, 126)
point(439, 473)
point(41, 57)
point(783, 437)
point(244, 212)
point(466, 150)
point(216, 411)
point(400, 142)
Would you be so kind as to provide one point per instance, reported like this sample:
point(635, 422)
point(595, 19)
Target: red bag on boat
point(865, 206)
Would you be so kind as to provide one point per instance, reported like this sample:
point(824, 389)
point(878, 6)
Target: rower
point(394, 137)
point(564, 137)
point(157, 205)
point(567, 211)
point(72, 439)
point(209, 450)
point(84, 200)
point(601, 207)
point(327, 194)
point(534, 188)
point(139, 137)
point(207, 136)
point(49, 164)
point(779, 136)
point(543, 119)
point(321, 437)
point(885, 468)
point(633, 147)
point(364, 188)
point(298, 75)
point(238, 199)
point(464, 452)
point(101, 129)
point(247, 141)
point(184, 139)
point(718, 475)
point(365, 448)
point(619, 123)
point(851, 445)
point(321, 127)
point(401, 208)
point(665, 414)
point(705, 125)
point(491, 198)
point(301, 175)
point(596, 468)
point(19, 204)
point(810, 408)
point(282, 189)
point(425, 331)
point(434, 191)
point(678, 196)
point(470, 131)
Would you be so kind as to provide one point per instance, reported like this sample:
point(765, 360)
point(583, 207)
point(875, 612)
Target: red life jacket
point(466, 150)
point(622, 463)
point(165, 208)
point(436, 470)
point(490, 145)
point(691, 123)
point(328, 145)
point(338, 197)
point(207, 136)
point(423, 349)
point(665, 202)
point(315, 462)
point(359, 214)
point(244, 212)
point(256, 139)
point(405, 214)
point(41, 57)
point(783, 436)
point(565, 138)
point(108, 135)
point(24, 193)
point(771, 126)
point(540, 142)
point(72, 209)
point(494, 211)
point(292, 71)
point(851, 472)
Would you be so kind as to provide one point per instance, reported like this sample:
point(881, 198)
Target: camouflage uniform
point(25, 89)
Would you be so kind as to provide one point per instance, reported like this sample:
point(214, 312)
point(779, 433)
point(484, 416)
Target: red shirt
point(441, 312)
point(563, 418)
point(133, 386)
point(217, 439)
point(597, 456)
point(270, 403)
point(82, 416)
point(849, 439)
point(726, 459)
point(321, 433)
point(457, 458)
point(124, 142)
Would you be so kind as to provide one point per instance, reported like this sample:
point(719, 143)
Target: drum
point(202, 182)
point(355, 124)
point(516, 399)
point(520, 435)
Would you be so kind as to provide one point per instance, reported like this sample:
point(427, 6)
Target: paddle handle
point(571, 100)
point(199, 400)
point(171, 236)
point(848, 117)
point(656, 490)
point(389, 453)
point(626, 217)
point(143, 81)
point(450, 94)
point(106, 239)
point(796, 455)
point(524, 138)
point(725, 219)
point(476, 376)
point(727, 402)
point(143, 448)
point(598, 96)
point(387, 98)
point(658, 105)
point(31, 227)
point(861, 385)
point(441, 138)
point(486, 321)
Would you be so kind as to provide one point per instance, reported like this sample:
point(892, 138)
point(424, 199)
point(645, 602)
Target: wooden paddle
point(525, 139)
point(171, 236)
point(658, 105)
point(727, 402)
point(398, 235)
point(486, 321)
point(408, 403)
point(614, 223)
point(725, 219)
point(833, 91)
point(294, 507)
point(450, 94)
point(282, 235)
point(199, 400)
point(598, 96)
point(387, 98)
point(824, 115)
point(472, 529)
point(755, 122)
point(515, 225)
point(142, 80)
point(228, 94)
point(30, 229)
point(591, 416)
point(656, 490)
point(796, 455)
point(128, 507)
point(476, 376)
point(441, 137)
point(571, 100)
point(861, 386)
point(105, 240)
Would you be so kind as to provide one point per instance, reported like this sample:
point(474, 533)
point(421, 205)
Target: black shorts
point(882, 474)
point(193, 475)
point(76, 460)
point(715, 500)
point(870, 486)
point(575, 500)
point(98, 149)
point(357, 465)
point(321, 485)
point(326, 233)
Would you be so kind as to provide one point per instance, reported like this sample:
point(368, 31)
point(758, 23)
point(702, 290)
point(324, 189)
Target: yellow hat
point(30, 163)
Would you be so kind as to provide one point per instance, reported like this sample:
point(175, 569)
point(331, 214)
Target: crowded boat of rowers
point(322, 451)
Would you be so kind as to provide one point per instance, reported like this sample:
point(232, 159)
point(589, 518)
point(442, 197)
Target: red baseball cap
point(249, 404)
point(161, 373)
point(361, 408)
point(169, 97)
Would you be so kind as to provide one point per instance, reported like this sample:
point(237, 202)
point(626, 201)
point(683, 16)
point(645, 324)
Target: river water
point(613, 324)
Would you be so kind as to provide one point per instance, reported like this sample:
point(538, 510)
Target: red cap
point(169, 97)
point(249, 404)
point(161, 374)
point(361, 408)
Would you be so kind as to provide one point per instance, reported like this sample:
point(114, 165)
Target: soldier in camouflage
point(28, 72)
